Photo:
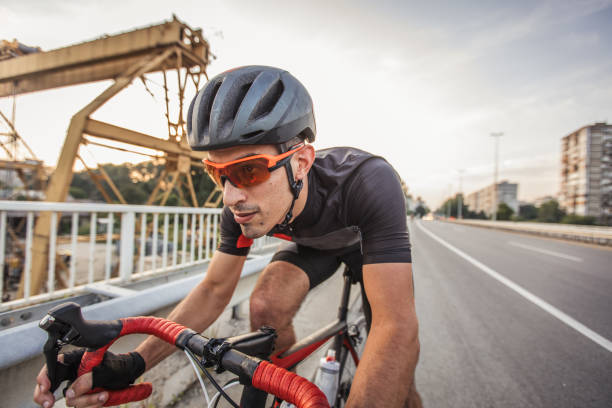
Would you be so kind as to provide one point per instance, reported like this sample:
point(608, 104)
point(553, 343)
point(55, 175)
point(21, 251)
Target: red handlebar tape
point(164, 329)
point(132, 393)
point(161, 328)
point(288, 386)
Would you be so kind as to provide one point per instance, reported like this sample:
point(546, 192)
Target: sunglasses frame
point(274, 162)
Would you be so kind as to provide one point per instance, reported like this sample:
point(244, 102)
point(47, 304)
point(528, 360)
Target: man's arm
point(201, 307)
point(386, 371)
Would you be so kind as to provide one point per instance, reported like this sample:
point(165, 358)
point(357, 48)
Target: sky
point(423, 84)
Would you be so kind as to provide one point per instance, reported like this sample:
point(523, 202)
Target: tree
point(453, 203)
point(136, 183)
point(528, 212)
point(77, 193)
point(421, 210)
point(550, 212)
point(504, 212)
point(134, 194)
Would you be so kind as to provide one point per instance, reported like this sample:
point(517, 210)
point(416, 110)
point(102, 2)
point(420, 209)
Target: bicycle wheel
point(357, 336)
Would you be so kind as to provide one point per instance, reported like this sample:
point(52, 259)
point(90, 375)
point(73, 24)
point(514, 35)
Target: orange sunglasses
point(248, 171)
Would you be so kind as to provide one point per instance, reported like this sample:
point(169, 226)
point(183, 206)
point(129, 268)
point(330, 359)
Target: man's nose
point(232, 195)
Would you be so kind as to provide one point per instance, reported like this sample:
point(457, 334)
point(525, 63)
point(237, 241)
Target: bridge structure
point(172, 49)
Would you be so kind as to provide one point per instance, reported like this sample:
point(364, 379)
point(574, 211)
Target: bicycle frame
point(297, 353)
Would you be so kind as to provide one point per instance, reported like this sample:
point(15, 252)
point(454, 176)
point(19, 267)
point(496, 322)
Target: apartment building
point(483, 200)
point(586, 172)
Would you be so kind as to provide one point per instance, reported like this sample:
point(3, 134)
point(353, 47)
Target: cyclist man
point(339, 204)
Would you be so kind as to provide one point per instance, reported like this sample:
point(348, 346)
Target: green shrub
point(578, 219)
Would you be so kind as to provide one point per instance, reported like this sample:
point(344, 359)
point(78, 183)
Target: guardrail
point(591, 234)
point(138, 241)
point(25, 341)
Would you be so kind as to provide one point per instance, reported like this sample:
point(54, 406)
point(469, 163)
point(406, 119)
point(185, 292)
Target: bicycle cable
point(217, 396)
point(197, 371)
point(212, 380)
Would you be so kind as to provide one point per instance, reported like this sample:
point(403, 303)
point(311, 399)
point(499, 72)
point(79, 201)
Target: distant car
point(428, 217)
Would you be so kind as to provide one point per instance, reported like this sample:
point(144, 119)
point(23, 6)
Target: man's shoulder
point(347, 162)
point(342, 154)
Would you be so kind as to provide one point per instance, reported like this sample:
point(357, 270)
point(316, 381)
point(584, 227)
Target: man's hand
point(115, 372)
point(75, 395)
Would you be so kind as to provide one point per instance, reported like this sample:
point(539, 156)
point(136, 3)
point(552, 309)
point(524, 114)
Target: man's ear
point(304, 158)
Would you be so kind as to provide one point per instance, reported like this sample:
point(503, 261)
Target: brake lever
point(56, 333)
point(65, 325)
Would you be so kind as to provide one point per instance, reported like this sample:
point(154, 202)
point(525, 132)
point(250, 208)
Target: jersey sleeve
point(230, 242)
point(375, 202)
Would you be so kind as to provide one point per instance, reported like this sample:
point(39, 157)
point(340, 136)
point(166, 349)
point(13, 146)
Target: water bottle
point(327, 376)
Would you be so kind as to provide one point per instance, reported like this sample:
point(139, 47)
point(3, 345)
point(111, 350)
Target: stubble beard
point(252, 232)
point(254, 229)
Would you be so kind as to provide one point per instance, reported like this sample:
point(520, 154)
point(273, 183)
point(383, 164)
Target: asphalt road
point(510, 320)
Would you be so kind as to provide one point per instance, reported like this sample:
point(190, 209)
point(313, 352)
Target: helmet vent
point(240, 94)
point(208, 107)
point(268, 101)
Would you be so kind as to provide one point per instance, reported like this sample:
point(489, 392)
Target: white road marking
point(545, 251)
point(570, 321)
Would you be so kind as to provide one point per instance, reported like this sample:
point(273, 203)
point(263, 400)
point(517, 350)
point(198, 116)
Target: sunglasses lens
point(248, 173)
point(214, 174)
point(243, 174)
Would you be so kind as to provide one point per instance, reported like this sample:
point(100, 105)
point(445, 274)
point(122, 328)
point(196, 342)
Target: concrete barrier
point(583, 233)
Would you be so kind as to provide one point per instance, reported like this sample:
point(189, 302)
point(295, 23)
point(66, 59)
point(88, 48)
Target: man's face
point(258, 208)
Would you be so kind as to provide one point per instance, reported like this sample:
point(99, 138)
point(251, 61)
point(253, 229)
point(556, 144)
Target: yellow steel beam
point(103, 58)
point(194, 199)
point(96, 180)
point(160, 180)
point(119, 134)
point(22, 165)
point(214, 198)
point(112, 185)
point(173, 179)
point(15, 134)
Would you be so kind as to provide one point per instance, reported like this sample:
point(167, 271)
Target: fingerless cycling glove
point(115, 372)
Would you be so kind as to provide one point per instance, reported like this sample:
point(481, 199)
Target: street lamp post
point(496, 136)
point(448, 205)
point(460, 196)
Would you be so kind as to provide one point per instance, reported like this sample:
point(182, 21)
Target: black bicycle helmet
point(250, 105)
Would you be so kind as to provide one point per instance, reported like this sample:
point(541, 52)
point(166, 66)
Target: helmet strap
point(296, 188)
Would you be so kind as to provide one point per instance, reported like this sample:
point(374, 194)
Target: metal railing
point(107, 243)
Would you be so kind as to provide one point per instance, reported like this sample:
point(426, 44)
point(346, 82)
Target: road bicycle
point(264, 377)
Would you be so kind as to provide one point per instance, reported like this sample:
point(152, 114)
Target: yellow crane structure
point(166, 48)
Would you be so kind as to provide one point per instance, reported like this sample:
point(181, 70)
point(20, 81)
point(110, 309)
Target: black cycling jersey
point(355, 202)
